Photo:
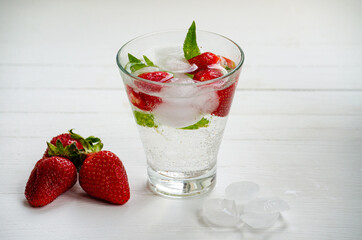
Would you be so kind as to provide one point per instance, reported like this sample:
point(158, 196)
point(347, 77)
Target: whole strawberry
point(103, 176)
point(66, 140)
point(50, 177)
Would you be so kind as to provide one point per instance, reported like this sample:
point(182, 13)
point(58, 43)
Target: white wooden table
point(295, 127)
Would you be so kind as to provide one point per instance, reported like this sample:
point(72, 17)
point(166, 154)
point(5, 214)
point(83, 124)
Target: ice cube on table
point(172, 59)
point(266, 206)
point(259, 220)
point(221, 213)
point(242, 192)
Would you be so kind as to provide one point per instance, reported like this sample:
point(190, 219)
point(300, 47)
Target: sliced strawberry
point(207, 74)
point(156, 76)
point(227, 63)
point(225, 99)
point(141, 100)
point(225, 96)
point(204, 60)
point(145, 101)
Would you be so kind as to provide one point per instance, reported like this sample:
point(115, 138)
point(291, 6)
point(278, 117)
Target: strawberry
point(142, 100)
point(227, 63)
point(66, 140)
point(103, 176)
point(207, 74)
point(145, 101)
point(204, 60)
point(225, 99)
point(50, 178)
point(73, 147)
point(225, 96)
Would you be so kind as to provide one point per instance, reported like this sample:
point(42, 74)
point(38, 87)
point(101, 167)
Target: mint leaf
point(190, 45)
point(145, 119)
point(136, 64)
point(133, 59)
point(202, 123)
point(189, 75)
point(148, 62)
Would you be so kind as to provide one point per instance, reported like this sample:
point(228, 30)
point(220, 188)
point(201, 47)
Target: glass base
point(181, 188)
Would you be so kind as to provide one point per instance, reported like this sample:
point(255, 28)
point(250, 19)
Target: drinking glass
point(181, 124)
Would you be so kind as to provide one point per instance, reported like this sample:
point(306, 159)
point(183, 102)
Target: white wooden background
point(295, 127)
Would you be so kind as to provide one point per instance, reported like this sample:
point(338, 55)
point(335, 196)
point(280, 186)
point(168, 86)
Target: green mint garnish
point(190, 45)
point(137, 64)
point(202, 123)
point(189, 75)
point(145, 119)
point(148, 62)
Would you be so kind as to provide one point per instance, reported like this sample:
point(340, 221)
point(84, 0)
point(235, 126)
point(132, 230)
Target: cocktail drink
point(180, 90)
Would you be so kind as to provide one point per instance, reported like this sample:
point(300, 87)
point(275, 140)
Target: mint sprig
point(136, 64)
point(190, 44)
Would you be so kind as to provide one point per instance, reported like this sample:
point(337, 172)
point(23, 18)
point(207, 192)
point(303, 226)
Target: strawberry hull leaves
point(72, 152)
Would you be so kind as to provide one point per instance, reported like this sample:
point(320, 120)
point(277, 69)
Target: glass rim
point(173, 83)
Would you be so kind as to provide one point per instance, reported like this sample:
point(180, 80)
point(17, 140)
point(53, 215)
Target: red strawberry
point(225, 96)
point(49, 178)
point(156, 76)
point(103, 176)
point(204, 60)
point(142, 100)
point(227, 63)
point(225, 99)
point(66, 140)
point(145, 101)
point(207, 74)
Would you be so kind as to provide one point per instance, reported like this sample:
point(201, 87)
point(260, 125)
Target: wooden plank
point(288, 22)
point(86, 212)
point(252, 77)
point(255, 128)
point(115, 101)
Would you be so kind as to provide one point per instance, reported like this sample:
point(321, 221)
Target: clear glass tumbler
point(181, 124)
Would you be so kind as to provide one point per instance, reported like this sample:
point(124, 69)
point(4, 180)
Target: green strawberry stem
point(76, 156)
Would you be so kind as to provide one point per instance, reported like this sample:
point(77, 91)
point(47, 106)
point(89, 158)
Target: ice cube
point(266, 205)
point(146, 69)
point(242, 192)
point(184, 104)
point(259, 220)
point(221, 212)
point(172, 59)
point(176, 113)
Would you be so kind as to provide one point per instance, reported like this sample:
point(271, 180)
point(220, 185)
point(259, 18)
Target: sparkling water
point(182, 153)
